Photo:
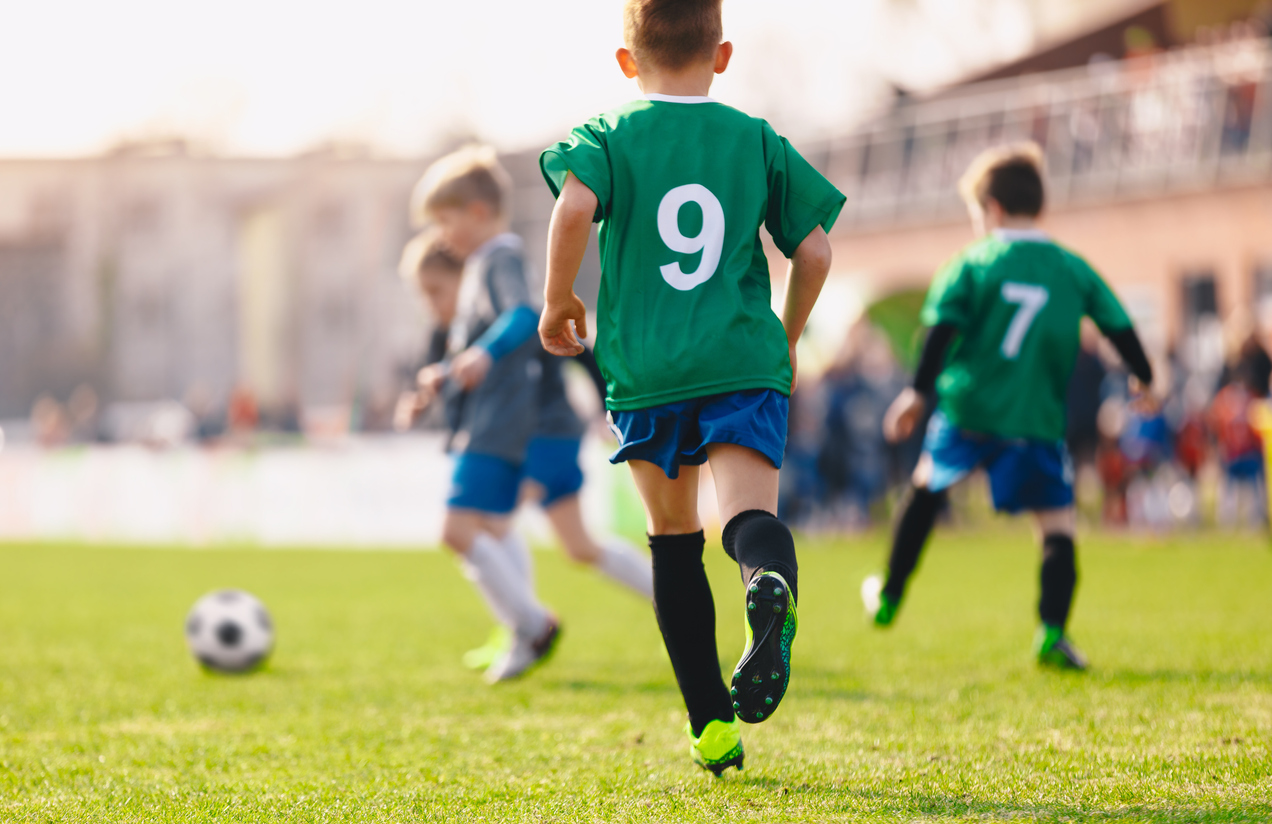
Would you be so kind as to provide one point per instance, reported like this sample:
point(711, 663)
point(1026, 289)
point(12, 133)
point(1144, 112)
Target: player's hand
point(431, 377)
point(563, 326)
point(407, 410)
point(469, 368)
point(1143, 401)
point(903, 415)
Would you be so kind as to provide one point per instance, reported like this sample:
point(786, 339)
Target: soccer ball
point(230, 631)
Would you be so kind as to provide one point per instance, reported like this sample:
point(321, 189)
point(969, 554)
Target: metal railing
point(1193, 118)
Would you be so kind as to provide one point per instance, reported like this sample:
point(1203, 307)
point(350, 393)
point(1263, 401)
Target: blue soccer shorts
point(1023, 475)
point(484, 483)
point(489, 484)
point(553, 463)
point(676, 434)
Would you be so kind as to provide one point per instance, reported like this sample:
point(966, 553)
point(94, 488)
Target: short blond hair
point(470, 175)
point(1011, 174)
point(426, 251)
point(672, 34)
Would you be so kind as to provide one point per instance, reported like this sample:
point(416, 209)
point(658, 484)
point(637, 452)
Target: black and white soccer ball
point(230, 631)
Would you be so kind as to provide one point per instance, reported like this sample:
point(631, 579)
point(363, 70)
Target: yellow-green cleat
point(718, 748)
point(499, 642)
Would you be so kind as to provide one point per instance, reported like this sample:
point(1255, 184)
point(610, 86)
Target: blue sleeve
point(510, 330)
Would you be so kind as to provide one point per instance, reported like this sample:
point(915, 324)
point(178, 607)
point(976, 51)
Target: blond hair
point(1011, 174)
point(426, 251)
point(470, 175)
point(671, 34)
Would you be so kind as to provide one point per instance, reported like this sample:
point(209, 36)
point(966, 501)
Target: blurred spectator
point(209, 422)
point(1240, 456)
point(82, 408)
point(854, 458)
point(1085, 396)
point(243, 415)
point(49, 422)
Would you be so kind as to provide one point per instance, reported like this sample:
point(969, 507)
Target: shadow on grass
point(905, 805)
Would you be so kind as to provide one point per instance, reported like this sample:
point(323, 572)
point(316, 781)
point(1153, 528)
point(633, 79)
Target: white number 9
point(710, 241)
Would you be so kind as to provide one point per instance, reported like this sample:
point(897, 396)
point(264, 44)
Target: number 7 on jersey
point(1030, 299)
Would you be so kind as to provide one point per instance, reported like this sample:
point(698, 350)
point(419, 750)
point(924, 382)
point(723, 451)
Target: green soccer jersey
point(1017, 300)
point(683, 185)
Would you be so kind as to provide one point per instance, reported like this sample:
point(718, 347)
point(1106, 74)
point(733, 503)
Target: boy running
point(698, 366)
point(1004, 318)
point(496, 320)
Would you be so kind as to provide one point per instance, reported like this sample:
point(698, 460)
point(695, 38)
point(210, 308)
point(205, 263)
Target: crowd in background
point(1193, 458)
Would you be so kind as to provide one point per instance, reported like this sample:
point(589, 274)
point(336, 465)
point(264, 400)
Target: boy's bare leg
point(682, 594)
point(612, 557)
point(746, 490)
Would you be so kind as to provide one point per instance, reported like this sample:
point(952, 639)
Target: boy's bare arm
point(567, 241)
point(809, 266)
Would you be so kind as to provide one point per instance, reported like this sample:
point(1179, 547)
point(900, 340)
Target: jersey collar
point(676, 98)
point(1022, 236)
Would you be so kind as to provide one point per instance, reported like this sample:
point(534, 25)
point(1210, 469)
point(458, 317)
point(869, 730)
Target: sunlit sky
point(274, 77)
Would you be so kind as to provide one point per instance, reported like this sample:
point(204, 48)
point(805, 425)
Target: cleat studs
point(750, 606)
point(777, 608)
point(733, 691)
point(774, 675)
point(755, 587)
point(759, 716)
point(755, 679)
point(777, 591)
point(736, 705)
point(768, 699)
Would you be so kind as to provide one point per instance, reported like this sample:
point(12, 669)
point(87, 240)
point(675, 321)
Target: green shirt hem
point(704, 391)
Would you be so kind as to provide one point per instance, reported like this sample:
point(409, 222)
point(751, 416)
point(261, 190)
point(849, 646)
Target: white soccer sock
point(622, 562)
point(505, 590)
point(518, 553)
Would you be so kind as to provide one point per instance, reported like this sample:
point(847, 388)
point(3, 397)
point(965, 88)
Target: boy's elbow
point(814, 252)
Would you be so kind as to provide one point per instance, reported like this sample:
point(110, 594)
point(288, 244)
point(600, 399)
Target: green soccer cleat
point(764, 671)
point(1052, 648)
point(881, 608)
point(499, 642)
point(719, 747)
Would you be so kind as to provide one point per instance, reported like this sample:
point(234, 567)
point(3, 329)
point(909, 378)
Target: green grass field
point(364, 713)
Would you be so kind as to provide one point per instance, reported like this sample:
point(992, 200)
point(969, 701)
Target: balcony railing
point(1193, 118)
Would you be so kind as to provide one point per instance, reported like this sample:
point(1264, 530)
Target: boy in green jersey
point(698, 366)
point(1005, 319)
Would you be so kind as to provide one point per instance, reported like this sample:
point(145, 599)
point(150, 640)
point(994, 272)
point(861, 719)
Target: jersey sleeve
point(506, 280)
point(949, 297)
point(799, 197)
point(585, 155)
point(1102, 306)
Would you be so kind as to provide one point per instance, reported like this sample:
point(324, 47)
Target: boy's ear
point(724, 52)
point(627, 62)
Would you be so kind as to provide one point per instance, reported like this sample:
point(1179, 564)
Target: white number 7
point(1031, 299)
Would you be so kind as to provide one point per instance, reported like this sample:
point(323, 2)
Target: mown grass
point(364, 713)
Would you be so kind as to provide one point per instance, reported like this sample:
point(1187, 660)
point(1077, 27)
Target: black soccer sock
point(1059, 578)
point(759, 542)
point(686, 617)
point(911, 535)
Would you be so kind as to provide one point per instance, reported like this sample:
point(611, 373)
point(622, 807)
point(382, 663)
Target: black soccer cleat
point(762, 675)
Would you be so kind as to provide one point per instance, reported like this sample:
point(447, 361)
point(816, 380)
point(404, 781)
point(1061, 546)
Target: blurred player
point(487, 484)
point(699, 367)
point(1004, 318)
